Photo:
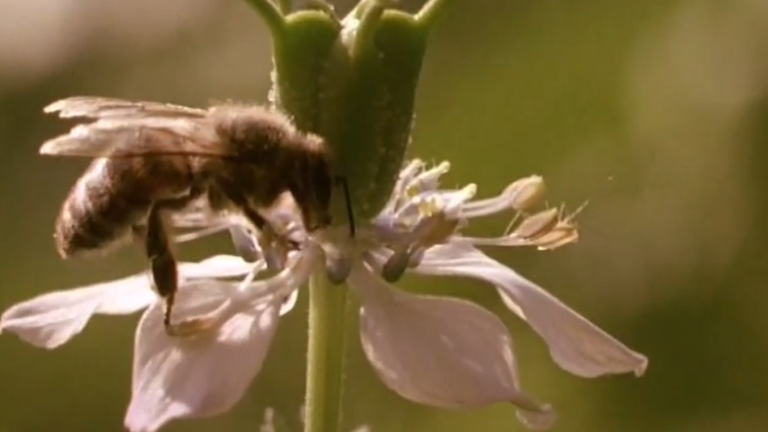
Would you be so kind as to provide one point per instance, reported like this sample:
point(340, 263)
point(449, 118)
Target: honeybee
point(153, 159)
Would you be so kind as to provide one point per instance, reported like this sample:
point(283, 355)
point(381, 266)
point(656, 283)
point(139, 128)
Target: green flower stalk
point(351, 81)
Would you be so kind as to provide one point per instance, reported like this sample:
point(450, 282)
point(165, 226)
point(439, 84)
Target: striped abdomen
point(112, 197)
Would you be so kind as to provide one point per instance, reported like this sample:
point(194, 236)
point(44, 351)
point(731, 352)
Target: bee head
point(314, 181)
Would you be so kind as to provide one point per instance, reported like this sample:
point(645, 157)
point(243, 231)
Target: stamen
point(496, 241)
point(398, 193)
point(558, 237)
point(547, 230)
point(428, 180)
point(453, 202)
point(411, 211)
point(410, 171)
point(526, 193)
point(520, 195)
point(565, 232)
point(537, 224)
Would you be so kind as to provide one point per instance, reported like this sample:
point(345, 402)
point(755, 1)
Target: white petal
point(50, 320)
point(576, 344)
point(439, 351)
point(202, 375)
point(520, 195)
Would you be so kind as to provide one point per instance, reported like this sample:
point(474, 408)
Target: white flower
point(438, 351)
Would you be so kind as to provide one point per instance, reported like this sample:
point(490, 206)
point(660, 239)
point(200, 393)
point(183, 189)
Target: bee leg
point(255, 219)
point(244, 244)
point(162, 262)
point(267, 231)
point(270, 243)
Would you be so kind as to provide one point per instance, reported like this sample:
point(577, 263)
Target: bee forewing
point(134, 137)
point(100, 107)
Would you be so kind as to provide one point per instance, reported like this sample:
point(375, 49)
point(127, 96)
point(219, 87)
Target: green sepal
point(353, 82)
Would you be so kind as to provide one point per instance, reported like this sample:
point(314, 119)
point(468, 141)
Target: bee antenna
point(350, 216)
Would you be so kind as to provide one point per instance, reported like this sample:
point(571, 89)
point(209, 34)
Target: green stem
point(325, 355)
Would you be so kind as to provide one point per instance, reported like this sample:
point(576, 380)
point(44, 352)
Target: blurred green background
point(654, 111)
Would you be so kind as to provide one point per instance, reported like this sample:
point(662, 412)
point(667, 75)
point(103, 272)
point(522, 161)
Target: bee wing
point(129, 137)
point(245, 247)
point(199, 217)
point(100, 107)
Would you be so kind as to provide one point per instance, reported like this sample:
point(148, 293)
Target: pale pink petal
point(576, 344)
point(201, 375)
point(50, 320)
point(440, 351)
point(289, 302)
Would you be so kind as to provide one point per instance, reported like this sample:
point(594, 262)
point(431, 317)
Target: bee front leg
point(274, 248)
point(162, 262)
point(244, 244)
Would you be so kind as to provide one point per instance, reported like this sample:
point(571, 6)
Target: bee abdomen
point(96, 214)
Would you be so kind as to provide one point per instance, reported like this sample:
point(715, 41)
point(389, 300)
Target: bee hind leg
point(163, 267)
